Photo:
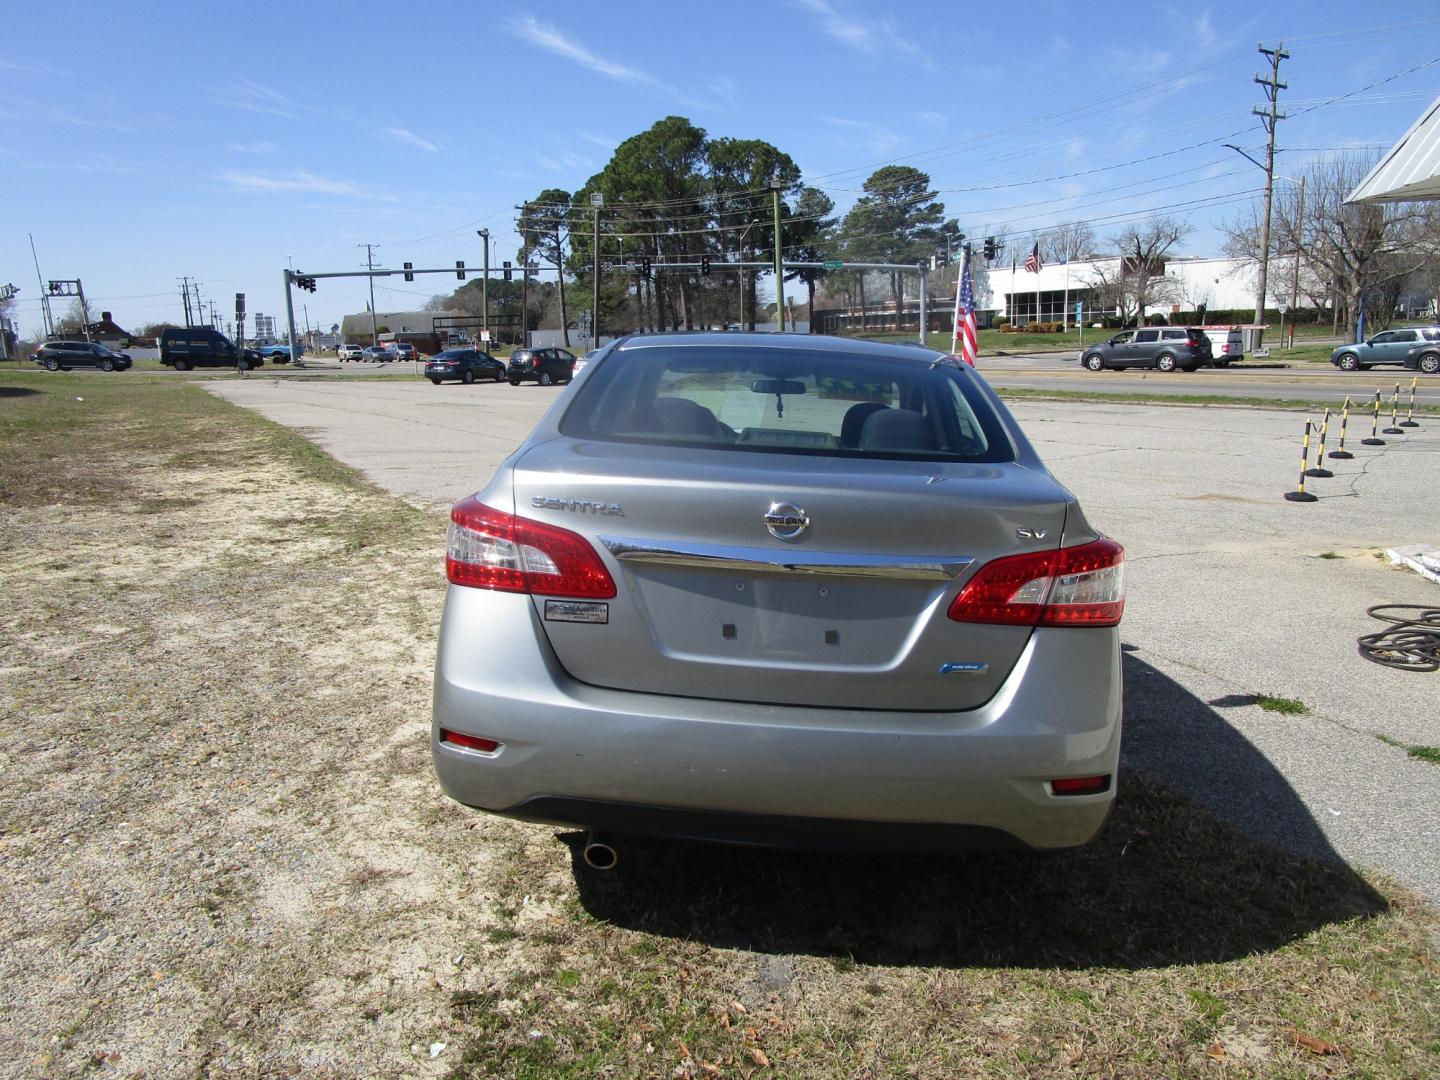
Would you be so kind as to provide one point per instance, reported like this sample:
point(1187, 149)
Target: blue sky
point(146, 141)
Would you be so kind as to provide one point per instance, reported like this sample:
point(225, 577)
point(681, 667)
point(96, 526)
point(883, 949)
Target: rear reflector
point(1080, 785)
point(1074, 586)
point(468, 742)
point(490, 549)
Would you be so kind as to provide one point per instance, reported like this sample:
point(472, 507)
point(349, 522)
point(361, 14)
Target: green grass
point(1286, 705)
point(1420, 753)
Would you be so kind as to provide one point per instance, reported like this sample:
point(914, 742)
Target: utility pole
point(597, 200)
point(44, 298)
point(1269, 117)
point(370, 266)
point(1295, 283)
point(775, 188)
point(484, 235)
point(185, 297)
point(525, 303)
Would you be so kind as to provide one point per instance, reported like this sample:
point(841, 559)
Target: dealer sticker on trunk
point(576, 611)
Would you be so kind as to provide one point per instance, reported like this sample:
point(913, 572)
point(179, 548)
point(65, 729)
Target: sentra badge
point(579, 506)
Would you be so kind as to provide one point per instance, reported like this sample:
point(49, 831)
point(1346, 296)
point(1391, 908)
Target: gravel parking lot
point(1234, 592)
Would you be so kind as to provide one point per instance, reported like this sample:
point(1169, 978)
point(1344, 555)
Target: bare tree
point(1357, 255)
point(1073, 241)
point(1137, 278)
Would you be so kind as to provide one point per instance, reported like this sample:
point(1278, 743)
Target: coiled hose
point(1412, 640)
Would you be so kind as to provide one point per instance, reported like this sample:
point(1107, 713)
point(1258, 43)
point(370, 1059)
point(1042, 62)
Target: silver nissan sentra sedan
point(783, 590)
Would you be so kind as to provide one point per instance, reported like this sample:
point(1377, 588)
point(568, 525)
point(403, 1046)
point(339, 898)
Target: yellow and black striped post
point(1318, 469)
point(1410, 420)
point(1374, 439)
point(1394, 413)
point(1342, 454)
point(1300, 494)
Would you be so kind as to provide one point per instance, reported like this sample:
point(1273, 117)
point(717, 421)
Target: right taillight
point(490, 549)
point(1074, 586)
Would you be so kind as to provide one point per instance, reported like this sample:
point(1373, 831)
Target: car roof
point(820, 343)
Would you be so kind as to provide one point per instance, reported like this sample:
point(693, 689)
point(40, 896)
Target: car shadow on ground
point(16, 391)
point(1166, 882)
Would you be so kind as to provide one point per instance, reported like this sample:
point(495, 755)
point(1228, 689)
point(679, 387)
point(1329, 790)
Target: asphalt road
point(1230, 592)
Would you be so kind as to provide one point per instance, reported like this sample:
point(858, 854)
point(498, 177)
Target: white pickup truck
point(1226, 344)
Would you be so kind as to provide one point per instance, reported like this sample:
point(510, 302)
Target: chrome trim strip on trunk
point(768, 560)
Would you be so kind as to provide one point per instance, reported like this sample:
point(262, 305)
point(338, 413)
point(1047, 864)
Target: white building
point(1219, 284)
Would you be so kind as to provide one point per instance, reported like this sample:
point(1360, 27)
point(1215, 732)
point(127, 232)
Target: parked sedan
point(1163, 347)
point(787, 590)
point(376, 354)
point(466, 365)
point(1386, 347)
point(64, 355)
point(544, 366)
point(403, 350)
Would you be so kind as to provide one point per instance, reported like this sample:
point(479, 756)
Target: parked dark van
point(189, 347)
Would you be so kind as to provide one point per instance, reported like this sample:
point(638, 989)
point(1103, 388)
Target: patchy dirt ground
point(223, 853)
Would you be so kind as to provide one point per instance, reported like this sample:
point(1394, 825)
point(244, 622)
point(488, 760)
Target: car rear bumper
point(581, 755)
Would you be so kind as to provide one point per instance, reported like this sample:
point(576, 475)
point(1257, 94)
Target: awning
point(1411, 170)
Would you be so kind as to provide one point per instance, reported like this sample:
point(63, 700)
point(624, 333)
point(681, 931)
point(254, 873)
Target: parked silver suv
point(781, 589)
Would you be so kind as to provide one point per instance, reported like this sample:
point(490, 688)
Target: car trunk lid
point(851, 612)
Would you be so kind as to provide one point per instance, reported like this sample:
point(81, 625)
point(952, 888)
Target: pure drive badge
point(576, 611)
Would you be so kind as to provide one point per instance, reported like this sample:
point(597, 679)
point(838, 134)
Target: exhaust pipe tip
point(599, 855)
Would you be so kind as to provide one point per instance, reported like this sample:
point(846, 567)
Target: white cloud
point(92, 163)
point(257, 147)
point(404, 135)
point(552, 40)
point(253, 97)
point(605, 142)
point(299, 180)
point(868, 34)
point(881, 141)
point(722, 87)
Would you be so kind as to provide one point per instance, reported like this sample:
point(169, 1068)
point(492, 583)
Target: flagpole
point(1035, 254)
point(1065, 306)
point(955, 318)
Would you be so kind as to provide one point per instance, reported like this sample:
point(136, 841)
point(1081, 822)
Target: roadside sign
point(484, 335)
point(833, 264)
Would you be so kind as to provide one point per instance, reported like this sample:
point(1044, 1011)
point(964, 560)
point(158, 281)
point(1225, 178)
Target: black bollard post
point(1394, 413)
point(1342, 454)
point(1300, 494)
point(1410, 420)
point(1318, 469)
point(1374, 439)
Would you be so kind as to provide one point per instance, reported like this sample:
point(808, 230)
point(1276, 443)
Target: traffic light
point(460, 270)
point(54, 287)
point(408, 275)
point(705, 265)
point(645, 268)
point(306, 283)
point(990, 247)
point(239, 305)
point(506, 265)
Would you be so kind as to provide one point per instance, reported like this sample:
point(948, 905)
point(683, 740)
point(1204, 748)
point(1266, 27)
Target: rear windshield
point(453, 354)
point(773, 400)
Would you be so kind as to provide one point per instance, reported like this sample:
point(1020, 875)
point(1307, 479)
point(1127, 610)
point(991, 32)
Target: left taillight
point(1074, 586)
point(490, 549)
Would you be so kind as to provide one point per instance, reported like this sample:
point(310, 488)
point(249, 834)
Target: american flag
point(1033, 263)
point(964, 342)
